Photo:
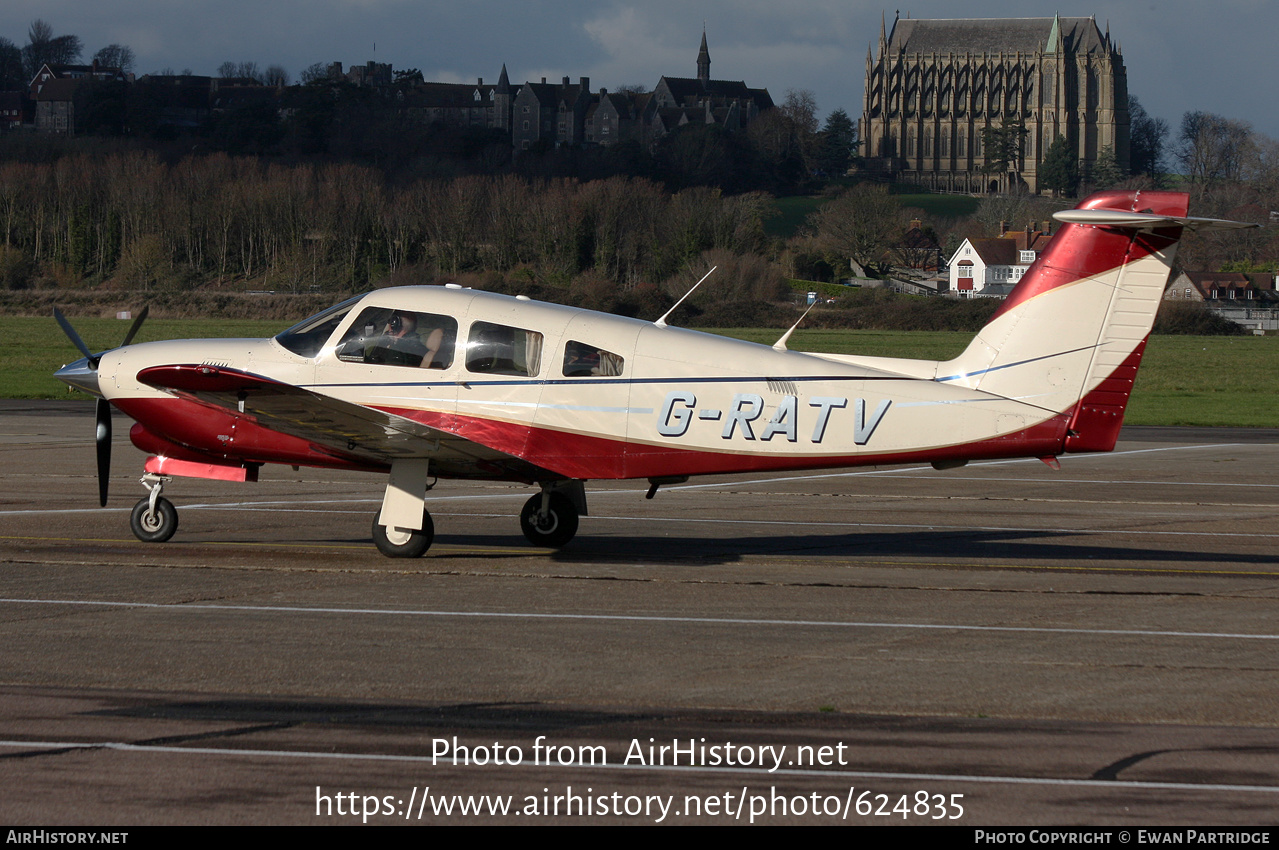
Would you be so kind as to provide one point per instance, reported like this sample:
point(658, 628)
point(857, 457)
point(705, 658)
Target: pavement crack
point(170, 740)
point(1111, 771)
point(49, 752)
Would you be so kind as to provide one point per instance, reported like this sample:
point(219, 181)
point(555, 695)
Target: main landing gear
point(403, 527)
point(154, 519)
point(403, 542)
point(549, 519)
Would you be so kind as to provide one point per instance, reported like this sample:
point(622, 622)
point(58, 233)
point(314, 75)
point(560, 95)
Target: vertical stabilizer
point(1070, 335)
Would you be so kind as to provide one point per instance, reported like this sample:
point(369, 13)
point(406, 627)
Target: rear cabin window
point(581, 359)
point(400, 338)
point(502, 350)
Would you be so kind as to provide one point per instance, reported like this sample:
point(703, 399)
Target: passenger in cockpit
point(439, 349)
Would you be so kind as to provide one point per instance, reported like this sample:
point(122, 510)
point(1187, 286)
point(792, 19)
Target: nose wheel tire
point(555, 528)
point(403, 542)
point(154, 526)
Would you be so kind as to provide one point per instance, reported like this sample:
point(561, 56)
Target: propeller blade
point(137, 323)
point(75, 337)
point(103, 442)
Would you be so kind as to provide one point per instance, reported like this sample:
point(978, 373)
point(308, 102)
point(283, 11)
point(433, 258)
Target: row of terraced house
point(535, 114)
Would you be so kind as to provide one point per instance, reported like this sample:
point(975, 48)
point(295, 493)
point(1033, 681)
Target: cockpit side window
point(308, 336)
point(502, 350)
point(400, 338)
point(581, 359)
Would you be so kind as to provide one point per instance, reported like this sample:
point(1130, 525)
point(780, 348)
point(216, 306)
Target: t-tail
point(1071, 334)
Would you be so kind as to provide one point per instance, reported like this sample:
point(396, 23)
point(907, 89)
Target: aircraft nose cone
point(80, 375)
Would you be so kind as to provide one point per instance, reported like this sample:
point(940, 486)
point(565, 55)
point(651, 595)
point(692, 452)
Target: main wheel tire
point(157, 526)
point(402, 542)
point(556, 528)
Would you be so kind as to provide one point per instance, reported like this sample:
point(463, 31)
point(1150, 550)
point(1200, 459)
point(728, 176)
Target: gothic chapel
point(937, 83)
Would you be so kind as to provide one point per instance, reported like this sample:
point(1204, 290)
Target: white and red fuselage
point(542, 393)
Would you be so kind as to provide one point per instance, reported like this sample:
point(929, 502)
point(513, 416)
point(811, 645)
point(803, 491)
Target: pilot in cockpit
point(399, 344)
point(400, 338)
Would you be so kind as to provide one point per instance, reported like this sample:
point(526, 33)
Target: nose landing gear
point(154, 519)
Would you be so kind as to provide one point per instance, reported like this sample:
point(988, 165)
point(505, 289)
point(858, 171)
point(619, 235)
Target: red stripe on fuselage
point(197, 429)
point(587, 456)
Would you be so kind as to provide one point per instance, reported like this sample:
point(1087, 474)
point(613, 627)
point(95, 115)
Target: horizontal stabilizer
point(1143, 221)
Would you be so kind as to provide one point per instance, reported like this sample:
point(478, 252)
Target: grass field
point(1184, 380)
point(31, 349)
point(943, 206)
point(793, 211)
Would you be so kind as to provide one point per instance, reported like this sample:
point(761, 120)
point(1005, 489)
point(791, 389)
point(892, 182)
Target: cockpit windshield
point(308, 336)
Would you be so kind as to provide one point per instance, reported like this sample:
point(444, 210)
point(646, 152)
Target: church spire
point(1055, 43)
point(704, 60)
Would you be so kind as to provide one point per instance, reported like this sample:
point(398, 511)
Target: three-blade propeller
point(102, 411)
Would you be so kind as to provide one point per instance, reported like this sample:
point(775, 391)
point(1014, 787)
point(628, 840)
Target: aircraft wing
point(346, 429)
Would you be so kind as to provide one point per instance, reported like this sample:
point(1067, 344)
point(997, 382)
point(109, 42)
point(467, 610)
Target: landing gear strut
point(154, 519)
point(396, 530)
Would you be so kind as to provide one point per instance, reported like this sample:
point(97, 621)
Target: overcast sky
point(1180, 54)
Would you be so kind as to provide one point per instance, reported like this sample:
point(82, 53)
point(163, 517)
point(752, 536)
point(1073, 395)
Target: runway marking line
point(889, 472)
point(895, 469)
point(1118, 784)
point(635, 618)
point(512, 551)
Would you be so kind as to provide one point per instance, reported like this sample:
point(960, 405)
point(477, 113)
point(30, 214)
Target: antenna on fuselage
point(780, 345)
point(661, 323)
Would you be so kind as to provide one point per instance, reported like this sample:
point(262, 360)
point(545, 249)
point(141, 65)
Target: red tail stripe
point(1079, 251)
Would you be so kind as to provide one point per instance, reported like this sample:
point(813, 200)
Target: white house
point(983, 268)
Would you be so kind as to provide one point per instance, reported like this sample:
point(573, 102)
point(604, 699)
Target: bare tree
point(1265, 169)
point(44, 48)
point(316, 72)
point(115, 56)
point(861, 225)
point(800, 106)
point(1147, 139)
point(11, 71)
point(1015, 211)
point(800, 109)
point(1212, 148)
point(240, 71)
point(275, 75)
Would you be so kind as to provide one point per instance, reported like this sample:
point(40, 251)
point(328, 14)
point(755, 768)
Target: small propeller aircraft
point(428, 382)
